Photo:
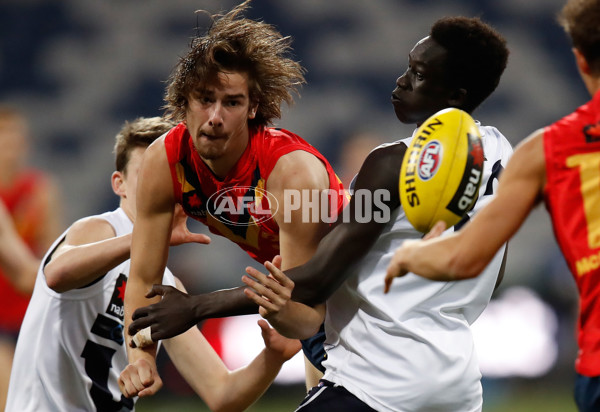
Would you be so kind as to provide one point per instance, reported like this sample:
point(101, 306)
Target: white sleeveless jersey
point(71, 349)
point(412, 349)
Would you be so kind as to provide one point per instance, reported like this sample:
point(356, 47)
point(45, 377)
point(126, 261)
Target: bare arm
point(465, 253)
point(150, 241)
point(315, 280)
point(17, 261)
point(89, 250)
point(350, 240)
point(220, 388)
point(297, 170)
point(303, 175)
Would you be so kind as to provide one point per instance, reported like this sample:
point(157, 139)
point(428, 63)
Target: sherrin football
point(441, 170)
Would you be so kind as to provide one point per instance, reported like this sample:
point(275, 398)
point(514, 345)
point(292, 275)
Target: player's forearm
point(135, 298)
point(327, 269)
point(250, 382)
point(298, 321)
point(222, 303)
point(78, 266)
point(17, 261)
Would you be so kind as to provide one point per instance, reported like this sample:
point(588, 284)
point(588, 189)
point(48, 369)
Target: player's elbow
point(57, 280)
point(463, 266)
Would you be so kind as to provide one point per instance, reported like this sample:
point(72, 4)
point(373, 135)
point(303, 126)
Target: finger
point(264, 327)
point(436, 230)
point(279, 275)
point(125, 384)
point(387, 283)
point(268, 288)
point(157, 290)
point(138, 324)
point(152, 389)
point(142, 338)
point(277, 261)
point(200, 238)
point(260, 301)
point(261, 278)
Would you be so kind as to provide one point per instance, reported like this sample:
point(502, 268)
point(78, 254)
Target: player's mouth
point(211, 136)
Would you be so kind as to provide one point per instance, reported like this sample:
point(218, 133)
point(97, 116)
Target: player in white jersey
point(410, 349)
point(71, 350)
point(390, 352)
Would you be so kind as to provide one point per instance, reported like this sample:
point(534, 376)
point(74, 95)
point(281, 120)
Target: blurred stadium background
point(79, 69)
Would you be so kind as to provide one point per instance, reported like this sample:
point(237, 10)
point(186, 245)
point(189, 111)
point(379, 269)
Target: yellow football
point(441, 170)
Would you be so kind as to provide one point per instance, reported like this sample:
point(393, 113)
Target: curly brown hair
point(237, 44)
point(140, 132)
point(581, 21)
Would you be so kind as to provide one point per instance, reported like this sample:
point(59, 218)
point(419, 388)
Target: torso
point(237, 207)
point(72, 342)
point(412, 347)
point(572, 196)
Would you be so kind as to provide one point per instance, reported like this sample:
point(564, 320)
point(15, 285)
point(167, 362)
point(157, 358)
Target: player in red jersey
point(30, 220)
point(560, 165)
point(225, 166)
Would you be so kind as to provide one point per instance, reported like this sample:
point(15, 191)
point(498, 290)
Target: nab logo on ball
point(430, 160)
point(441, 170)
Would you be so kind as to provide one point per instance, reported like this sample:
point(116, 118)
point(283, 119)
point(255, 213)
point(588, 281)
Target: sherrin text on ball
point(442, 170)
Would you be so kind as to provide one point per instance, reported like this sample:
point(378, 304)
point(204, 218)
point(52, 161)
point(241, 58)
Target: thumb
point(436, 230)
point(157, 290)
point(199, 238)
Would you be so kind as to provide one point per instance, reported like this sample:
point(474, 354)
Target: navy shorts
point(329, 397)
point(314, 350)
point(587, 393)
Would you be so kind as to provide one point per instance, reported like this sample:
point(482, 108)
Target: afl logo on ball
point(430, 160)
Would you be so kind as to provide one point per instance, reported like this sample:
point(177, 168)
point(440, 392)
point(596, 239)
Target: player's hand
point(281, 346)
point(396, 267)
point(436, 230)
point(181, 234)
point(169, 317)
point(140, 379)
point(270, 292)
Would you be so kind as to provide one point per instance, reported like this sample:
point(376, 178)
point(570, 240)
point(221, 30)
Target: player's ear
point(117, 181)
point(252, 111)
point(581, 62)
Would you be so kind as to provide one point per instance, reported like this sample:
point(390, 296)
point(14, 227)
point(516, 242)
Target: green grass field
point(525, 397)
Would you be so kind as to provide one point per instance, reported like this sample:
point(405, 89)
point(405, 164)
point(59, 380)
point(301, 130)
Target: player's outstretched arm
point(88, 251)
point(220, 388)
point(273, 294)
point(151, 238)
point(464, 254)
point(375, 191)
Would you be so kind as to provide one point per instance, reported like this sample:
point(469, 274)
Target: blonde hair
point(140, 132)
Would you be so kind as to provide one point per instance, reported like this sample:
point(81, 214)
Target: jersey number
point(98, 361)
point(589, 173)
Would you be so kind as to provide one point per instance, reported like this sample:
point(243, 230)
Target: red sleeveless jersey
point(18, 200)
point(572, 196)
point(237, 207)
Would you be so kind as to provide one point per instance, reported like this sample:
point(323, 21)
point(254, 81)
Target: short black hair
point(477, 56)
